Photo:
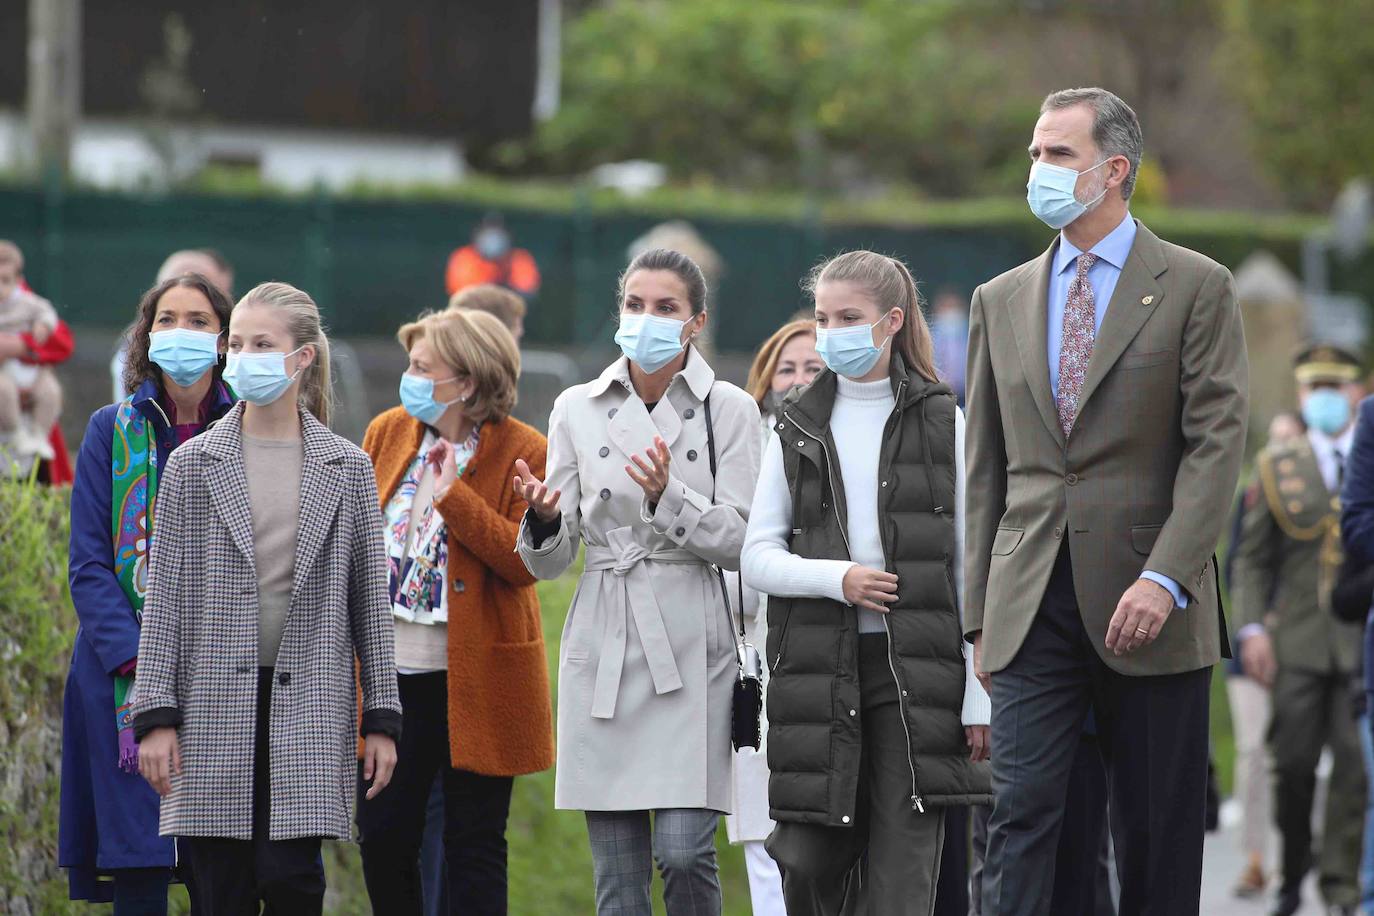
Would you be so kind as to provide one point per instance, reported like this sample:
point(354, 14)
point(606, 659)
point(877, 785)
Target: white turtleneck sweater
point(856, 425)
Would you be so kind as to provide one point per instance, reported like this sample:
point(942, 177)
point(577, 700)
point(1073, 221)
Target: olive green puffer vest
point(813, 741)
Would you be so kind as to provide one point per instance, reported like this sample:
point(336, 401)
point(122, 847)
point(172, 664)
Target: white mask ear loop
point(299, 369)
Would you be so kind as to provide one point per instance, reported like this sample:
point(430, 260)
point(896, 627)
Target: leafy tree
point(817, 92)
point(1305, 69)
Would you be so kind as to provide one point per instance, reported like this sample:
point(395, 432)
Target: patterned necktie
point(1076, 342)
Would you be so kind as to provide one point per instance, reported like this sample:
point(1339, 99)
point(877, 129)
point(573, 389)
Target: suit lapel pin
point(1147, 300)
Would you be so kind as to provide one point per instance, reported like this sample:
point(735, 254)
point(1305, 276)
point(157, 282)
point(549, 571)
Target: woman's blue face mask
point(184, 355)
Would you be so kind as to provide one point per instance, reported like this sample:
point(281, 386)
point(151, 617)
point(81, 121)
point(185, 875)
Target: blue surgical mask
point(850, 351)
point(183, 354)
point(1050, 193)
point(1326, 410)
point(417, 397)
point(649, 341)
point(259, 378)
point(492, 244)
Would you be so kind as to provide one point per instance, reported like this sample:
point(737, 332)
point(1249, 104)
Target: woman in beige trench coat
point(647, 662)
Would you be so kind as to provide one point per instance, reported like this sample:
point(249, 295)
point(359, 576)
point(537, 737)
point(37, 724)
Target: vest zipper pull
point(918, 804)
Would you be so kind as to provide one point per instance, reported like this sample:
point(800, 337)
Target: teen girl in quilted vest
point(876, 724)
point(267, 578)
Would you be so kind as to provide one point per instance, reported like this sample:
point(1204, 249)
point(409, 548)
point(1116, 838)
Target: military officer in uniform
point(1286, 560)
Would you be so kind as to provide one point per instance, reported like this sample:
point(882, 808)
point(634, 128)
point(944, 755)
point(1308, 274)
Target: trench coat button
point(688, 413)
point(1059, 532)
point(691, 454)
point(604, 451)
point(845, 819)
point(611, 413)
point(1071, 479)
point(284, 678)
point(605, 494)
point(680, 532)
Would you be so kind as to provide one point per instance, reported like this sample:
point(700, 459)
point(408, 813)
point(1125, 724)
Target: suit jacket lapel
point(322, 489)
point(1029, 309)
point(226, 481)
point(1135, 299)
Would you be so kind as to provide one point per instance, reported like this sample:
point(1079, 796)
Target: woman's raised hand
point(653, 473)
point(870, 588)
point(532, 490)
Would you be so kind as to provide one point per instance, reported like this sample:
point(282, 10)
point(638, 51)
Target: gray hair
point(1116, 130)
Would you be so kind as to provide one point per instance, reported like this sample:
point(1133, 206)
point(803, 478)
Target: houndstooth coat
point(198, 653)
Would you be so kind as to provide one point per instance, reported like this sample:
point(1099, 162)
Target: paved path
point(1221, 864)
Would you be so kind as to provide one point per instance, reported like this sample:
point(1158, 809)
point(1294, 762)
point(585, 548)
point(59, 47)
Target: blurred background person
point(1287, 559)
point(508, 307)
point(109, 814)
point(492, 258)
point(474, 695)
point(787, 359)
point(30, 396)
point(208, 263)
point(949, 332)
point(1249, 702)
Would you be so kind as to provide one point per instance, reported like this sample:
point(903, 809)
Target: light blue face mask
point(1050, 193)
point(850, 351)
point(417, 397)
point(649, 341)
point(1327, 411)
point(259, 378)
point(182, 354)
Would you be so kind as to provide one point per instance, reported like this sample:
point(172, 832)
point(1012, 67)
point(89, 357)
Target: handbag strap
point(739, 578)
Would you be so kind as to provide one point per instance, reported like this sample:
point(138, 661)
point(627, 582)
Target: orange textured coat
point(499, 715)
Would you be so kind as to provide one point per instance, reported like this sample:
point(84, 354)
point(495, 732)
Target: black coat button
point(459, 587)
point(604, 451)
point(605, 494)
point(680, 532)
point(284, 678)
point(691, 454)
point(688, 413)
point(611, 413)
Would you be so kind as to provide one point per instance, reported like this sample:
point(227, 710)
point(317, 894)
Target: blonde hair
point(766, 360)
point(890, 285)
point(302, 318)
point(10, 254)
point(508, 307)
point(474, 345)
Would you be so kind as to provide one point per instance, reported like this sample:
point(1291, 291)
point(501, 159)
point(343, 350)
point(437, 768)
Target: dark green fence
point(372, 264)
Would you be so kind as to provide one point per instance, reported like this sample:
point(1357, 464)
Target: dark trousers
point(820, 865)
point(433, 870)
point(1311, 711)
point(476, 808)
point(141, 891)
point(232, 877)
point(1082, 879)
point(1153, 736)
point(951, 890)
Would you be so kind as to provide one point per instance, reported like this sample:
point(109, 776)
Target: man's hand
point(1257, 658)
point(983, 677)
point(1139, 617)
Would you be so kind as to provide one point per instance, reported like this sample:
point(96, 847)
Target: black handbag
point(747, 706)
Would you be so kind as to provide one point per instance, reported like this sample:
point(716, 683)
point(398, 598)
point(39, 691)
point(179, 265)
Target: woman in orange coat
point(470, 657)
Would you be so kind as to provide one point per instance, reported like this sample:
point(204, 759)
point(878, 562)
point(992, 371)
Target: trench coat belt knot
point(624, 557)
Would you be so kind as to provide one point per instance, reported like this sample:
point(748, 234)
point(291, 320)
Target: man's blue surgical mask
point(182, 354)
point(492, 244)
point(850, 351)
point(649, 341)
point(259, 378)
point(1050, 193)
point(1327, 411)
